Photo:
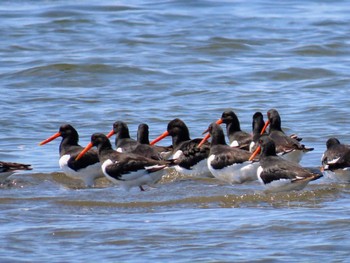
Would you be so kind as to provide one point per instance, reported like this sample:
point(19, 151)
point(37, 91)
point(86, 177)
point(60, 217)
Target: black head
point(331, 142)
point(273, 114)
point(99, 139)
point(216, 133)
point(258, 121)
point(143, 133)
point(143, 127)
point(229, 117)
point(177, 126)
point(119, 126)
point(67, 130)
point(268, 147)
point(215, 128)
point(258, 115)
point(274, 119)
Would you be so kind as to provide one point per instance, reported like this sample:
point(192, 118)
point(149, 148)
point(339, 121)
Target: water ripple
point(143, 61)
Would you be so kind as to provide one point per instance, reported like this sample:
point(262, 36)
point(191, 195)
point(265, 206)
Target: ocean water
point(94, 62)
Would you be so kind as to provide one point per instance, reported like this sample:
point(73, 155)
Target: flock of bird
point(272, 157)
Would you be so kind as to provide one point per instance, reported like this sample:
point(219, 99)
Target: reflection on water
point(173, 191)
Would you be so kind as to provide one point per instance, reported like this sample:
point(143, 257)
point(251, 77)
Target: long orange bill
point(161, 137)
point(219, 121)
point(255, 153)
point(110, 134)
point(265, 126)
point(88, 147)
point(56, 135)
point(204, 140)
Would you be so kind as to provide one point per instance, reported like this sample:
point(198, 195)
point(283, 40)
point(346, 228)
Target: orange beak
point(255, 153)
point(265, 126)
point(204, 139)
point(56, 135)
point(87, 148)
point(159, 138)
point(110, 134)
point(219, 121)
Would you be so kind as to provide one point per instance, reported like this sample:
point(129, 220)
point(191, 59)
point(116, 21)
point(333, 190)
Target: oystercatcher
point(192, 160)
point(278, 174)
point(286, 146)
point(336, 160)
point(229, 164)
point(123, 141)
point(126, 169)
point(143, 138)
point(257, 127)
point(86, 169)
point(237, 137)
point(9, 168)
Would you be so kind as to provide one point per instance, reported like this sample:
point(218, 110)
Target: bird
point(192, 160)
point(86, 169)
point(278, 174)
point(286, 146)
point(237, 137)
point(257, 128)
point(143, 138)
point(9, 168)
point(123, 141)
point(126, 169)
point(336, 160)
point(143, 133)
point(229, 164)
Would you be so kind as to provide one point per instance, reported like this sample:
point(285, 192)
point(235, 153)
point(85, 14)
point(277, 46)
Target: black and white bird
point(229, 164)
point(257, 128)
point(143, 138)
point(9, 168)
point(126, 169)
point(286, 146)
point(192, 160)
point(236, 136)
point(143, 133)
point(278, 174)
point(336, 160)
point(123, 141)
point(86, 169)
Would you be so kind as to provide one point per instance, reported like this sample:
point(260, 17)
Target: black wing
point(225, 156)
point(87, 159)
point(278, 168)
point(192, 154)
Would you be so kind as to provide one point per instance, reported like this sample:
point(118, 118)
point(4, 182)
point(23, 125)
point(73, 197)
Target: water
point(94, 63)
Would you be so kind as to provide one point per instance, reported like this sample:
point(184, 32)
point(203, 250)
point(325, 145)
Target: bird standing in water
point(278, 174)
point(86, 169)
point(126, 169)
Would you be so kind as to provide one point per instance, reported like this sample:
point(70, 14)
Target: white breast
point(87, 174)
point(236, 173)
